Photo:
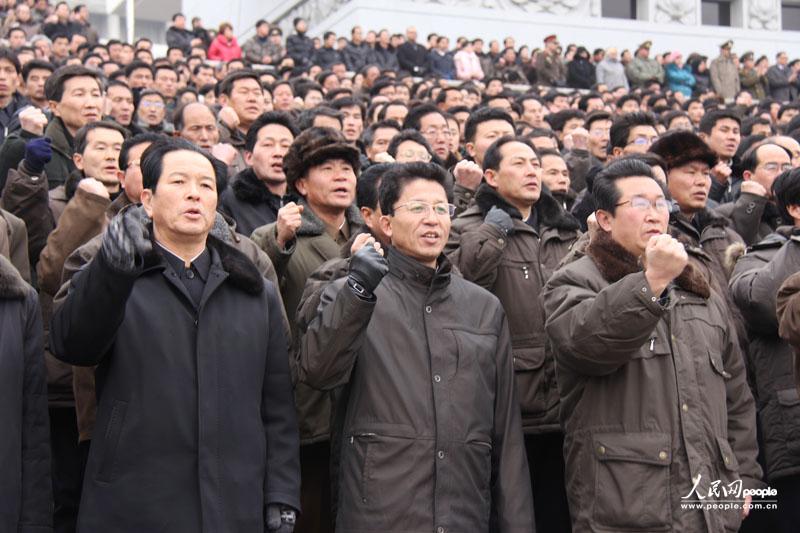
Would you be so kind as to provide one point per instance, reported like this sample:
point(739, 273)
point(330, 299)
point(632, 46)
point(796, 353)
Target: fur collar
point(311, 225)
point(12, 286)
point(614, 263)
point(248, 188)
point(242, 273)
point(547, 208)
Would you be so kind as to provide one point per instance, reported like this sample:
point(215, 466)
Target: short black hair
point(494, 155)
point(558, 120)
point(162, 66)
point(668, 117)
point(368, 135)
point(307, 117)
point(226, 85)
point(749, 122)
point(626, 97)
point(136, 65)
point(54, 86)
point(415, 115)
point(622, 126)
point(786, 191)
point(82, 135)
point(713, 116)
point(484, 114)
point(341, 103)
point(401, 174)
point(152, 164)
point(265, 119)
point(368, 183)
point(382, 112)
point(408, 135)
point(35, 64)
point(583, 101)
point(594, 116)
point(605, 191)
point(136, 140)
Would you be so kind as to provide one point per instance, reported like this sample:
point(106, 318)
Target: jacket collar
point(614, 263)
point(406, 268)
point(702, 220)
point(242, 273)
point(547, 208)
point(12, 286)
point(248, 188)
point(311, 225)
point(61, 139)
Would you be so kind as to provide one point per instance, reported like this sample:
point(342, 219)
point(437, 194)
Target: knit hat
point(680, 147)
point(314, 147)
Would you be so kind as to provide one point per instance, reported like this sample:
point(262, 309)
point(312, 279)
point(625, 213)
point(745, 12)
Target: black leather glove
point(38, 152)
point(280, 518)
point(127, 240)
point(367, 268)
point(500, 219)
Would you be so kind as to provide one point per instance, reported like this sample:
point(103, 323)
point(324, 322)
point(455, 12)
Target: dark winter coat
point(12, 152)
point(753, 217)
point(754, 284)
point(26, 492)
point(356, 56)
point(653, 395)
point(515, 268)
point(431, 431)
point(201, 434)
point(179, 38)
point(385, 58)
point(249, 203)
point(313, 246)
point(300, 48)
point(580, 74)
point(441, 65)
point(413, 57)
point(326, 57)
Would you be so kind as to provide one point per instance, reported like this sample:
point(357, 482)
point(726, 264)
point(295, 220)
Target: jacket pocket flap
point(529, 358)
point(649, 448)
point(716, 364)
point(726, 454)
point(788, 397)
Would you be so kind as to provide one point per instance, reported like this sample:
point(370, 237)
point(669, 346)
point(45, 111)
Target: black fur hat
point(314, 147)
point(680, 147)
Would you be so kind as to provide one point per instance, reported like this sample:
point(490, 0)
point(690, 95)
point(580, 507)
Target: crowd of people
point(374, 285)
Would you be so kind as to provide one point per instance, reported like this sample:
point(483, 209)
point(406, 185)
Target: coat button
point(725, 458)
point(685, 408)
point(601, 450)
point(440, 454)
point(440, 529)
point(437, 378)
point(500, 242)
point(644, 289)
point(190, 274)
point(428, 309)
point(662, 455)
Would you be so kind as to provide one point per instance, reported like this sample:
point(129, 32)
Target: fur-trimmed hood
point(248, 188)
point(615, 262)
point(12, 286)
point(547, 208)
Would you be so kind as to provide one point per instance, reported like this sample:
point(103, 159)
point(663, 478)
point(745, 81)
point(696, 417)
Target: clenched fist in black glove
point(500, 219)
point(280, 519)
point(127, 240)
point(367, 268)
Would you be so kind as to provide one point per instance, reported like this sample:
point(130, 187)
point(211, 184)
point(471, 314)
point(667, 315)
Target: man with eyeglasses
point(655, 403)
point(428, 120)
point(430, 431)
point(688, 162)
point(509, 243)
point(758, 286)
point(755, 215)
point(631, 133)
